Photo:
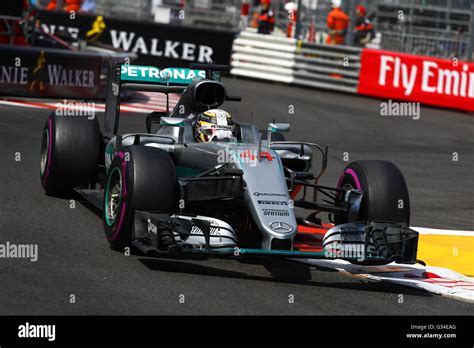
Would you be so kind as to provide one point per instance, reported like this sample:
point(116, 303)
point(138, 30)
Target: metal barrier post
point(351, 8)
point(471, 34)
point(298, 20)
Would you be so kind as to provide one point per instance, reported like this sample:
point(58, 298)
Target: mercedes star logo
point(281, 227)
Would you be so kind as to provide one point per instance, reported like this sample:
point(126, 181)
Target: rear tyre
point(69, 153)
point(139, 178)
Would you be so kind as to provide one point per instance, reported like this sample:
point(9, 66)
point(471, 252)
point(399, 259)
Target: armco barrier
point(328, 66)
point(286, 60)
point(263, 57)
point(377, 73)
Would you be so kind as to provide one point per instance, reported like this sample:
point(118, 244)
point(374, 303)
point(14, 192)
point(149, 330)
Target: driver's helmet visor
point(216, 132)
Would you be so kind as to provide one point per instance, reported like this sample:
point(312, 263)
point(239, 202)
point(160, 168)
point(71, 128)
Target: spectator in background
point(53, 5)
point(89, 6)
point(292, 9)
point(337, 23)
point(363, 30)
point(72, 5)
point(266, 19)
point(244, 14)
point(66, 5)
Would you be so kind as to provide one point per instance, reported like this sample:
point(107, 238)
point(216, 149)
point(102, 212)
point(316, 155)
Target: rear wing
point(123, 77)
point(157, 76)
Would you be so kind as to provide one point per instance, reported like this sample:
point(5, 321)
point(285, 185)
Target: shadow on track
point(281, 271)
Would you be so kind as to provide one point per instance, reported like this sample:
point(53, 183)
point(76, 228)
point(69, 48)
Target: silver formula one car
point(164, 191)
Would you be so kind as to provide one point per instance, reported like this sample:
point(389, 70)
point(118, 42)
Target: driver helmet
point(214, 125)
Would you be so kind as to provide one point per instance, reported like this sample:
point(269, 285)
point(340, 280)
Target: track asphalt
point(75, 258)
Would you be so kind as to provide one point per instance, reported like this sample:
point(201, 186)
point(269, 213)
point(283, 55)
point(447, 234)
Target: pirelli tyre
point(140, 178)
point(70, 151)
point(385, 193)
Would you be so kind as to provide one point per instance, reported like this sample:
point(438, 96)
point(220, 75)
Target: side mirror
point(276, 128)
point(172, 121)
point(152, 118)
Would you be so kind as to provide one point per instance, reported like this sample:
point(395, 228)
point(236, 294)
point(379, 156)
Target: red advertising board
point(399, 76)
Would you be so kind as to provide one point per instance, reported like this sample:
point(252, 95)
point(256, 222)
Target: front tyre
point(385, 191)
point(139, 178)
point(385, 197)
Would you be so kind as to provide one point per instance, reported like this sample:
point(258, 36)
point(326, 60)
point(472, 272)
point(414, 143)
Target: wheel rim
point(44, 152)
point(347, 186)
point(113, 196)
